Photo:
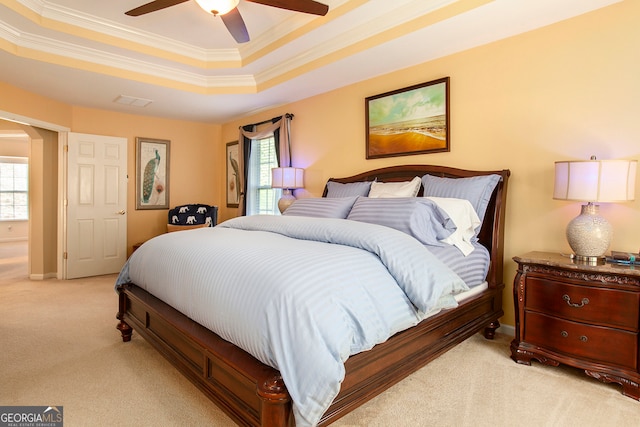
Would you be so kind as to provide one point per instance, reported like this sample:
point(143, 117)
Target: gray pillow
point(417, 217)
point(321, 207)
point(350, 189)
point(476, 189)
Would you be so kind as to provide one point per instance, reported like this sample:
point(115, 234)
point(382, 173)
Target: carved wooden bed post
point(490, 331)
point(123, 327)
point(276, 403)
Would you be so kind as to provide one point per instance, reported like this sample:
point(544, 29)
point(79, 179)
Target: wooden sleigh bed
point(254, 394)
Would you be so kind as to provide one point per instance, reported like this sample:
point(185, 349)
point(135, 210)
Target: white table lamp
point(287, 178)
point(589, 234)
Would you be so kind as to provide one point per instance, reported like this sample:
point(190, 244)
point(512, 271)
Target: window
point(14, 188)
point(261, 198)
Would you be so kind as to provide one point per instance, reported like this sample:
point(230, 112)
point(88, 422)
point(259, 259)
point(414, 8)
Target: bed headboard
point(492, 233)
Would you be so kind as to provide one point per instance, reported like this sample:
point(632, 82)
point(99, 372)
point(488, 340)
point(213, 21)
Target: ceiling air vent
point(133, 101)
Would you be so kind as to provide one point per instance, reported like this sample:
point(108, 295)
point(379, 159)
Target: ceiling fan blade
point(153, 6)
point(235, 24)
point(305, 6)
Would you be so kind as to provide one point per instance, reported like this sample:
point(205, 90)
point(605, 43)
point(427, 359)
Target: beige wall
point(562, 92)
point(43, 202)
point(13, 230)
point(28, 104)
point(41, 229)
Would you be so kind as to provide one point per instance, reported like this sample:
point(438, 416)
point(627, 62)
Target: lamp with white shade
point(593, 181)
point(287, 178)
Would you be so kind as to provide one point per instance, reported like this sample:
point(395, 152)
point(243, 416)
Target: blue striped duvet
point(299, 294)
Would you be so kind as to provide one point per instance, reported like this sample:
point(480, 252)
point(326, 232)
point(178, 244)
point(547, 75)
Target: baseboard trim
point(43, 276)
point(507, 330)
point(13, 239)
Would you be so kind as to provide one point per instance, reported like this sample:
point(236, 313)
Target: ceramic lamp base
point(286, 200)
point(589, 234)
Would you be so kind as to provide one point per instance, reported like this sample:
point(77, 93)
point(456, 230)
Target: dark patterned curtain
point(280, 128)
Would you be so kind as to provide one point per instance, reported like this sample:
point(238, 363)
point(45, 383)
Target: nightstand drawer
point(597, 343)
point(602, 306)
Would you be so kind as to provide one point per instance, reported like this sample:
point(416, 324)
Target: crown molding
point(385, 27)
point(106, 27)
point(42, 48)
point(59, 14)
point(394, 21)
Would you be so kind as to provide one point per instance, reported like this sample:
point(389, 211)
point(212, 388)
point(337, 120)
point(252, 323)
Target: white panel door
point(96, 228)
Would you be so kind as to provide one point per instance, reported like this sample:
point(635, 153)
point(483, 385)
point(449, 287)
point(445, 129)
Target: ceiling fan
point(229, 13)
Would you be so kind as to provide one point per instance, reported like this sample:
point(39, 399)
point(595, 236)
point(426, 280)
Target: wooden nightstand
point(586, 316)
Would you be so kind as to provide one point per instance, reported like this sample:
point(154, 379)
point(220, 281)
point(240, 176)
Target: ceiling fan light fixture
point(218, 7)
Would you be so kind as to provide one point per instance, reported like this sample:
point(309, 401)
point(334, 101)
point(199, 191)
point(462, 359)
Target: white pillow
point(465, 218)
point(395, 189)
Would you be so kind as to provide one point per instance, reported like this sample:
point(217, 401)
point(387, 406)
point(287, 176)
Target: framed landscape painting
point(412, 120)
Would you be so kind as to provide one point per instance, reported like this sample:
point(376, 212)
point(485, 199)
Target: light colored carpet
point(13, 260)
point(59, 346)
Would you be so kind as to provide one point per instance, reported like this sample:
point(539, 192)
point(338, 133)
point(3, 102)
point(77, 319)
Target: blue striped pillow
point(417, 217)
point(476, 189)
point(321, 207)
point(351, 189)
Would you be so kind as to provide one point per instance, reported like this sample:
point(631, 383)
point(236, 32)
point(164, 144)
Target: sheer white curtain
point(261, 197)
point(249, 133)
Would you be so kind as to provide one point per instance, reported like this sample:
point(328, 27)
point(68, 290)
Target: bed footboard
point(254, 394)
point(251, 393)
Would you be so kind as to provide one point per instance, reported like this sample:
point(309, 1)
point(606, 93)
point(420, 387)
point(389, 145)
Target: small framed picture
point(233, 175)
point(152, 173)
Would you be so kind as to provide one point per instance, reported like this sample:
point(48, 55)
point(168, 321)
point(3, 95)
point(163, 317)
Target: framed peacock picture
point(233, 175)
point(152, 173)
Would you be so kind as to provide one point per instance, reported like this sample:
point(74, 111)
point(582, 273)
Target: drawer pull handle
point(564, 334)
point(567, 298)
point(584, 338)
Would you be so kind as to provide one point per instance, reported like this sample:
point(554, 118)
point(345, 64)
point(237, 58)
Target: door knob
point(122, 212)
